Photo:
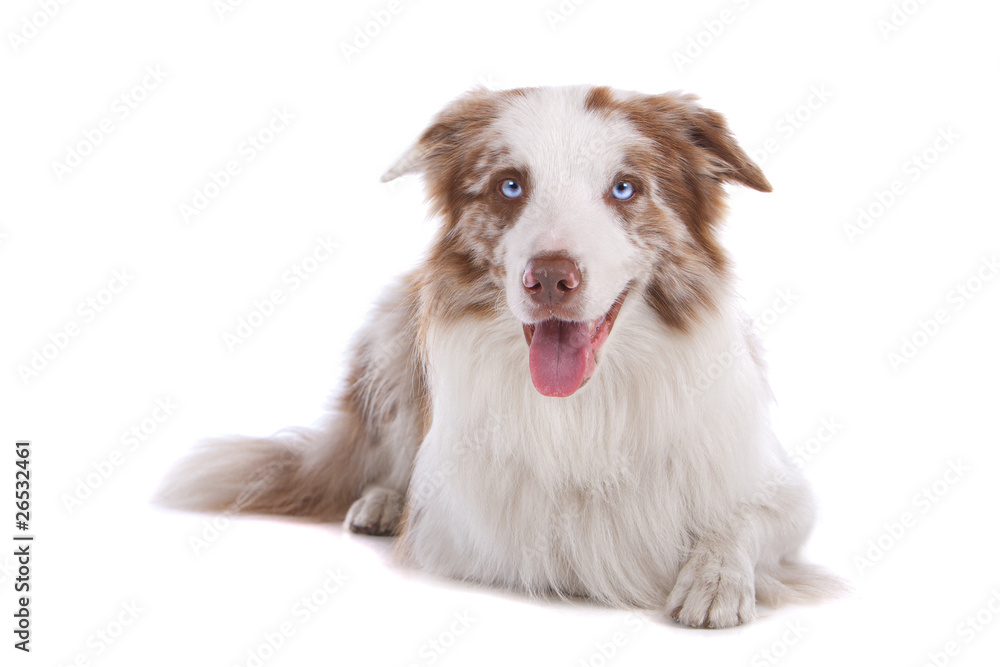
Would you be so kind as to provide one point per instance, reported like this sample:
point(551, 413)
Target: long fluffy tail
point(291, 472)
point(795, 582)
point(369, 434)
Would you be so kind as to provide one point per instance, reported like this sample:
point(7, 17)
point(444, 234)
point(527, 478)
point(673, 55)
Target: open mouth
point(562, 352)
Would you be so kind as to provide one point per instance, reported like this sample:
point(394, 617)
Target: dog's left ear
point(707, 129)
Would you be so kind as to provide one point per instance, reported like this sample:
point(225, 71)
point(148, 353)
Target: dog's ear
point(707, 129)
point(679, 126)
point(408, 163)
point(456, 126)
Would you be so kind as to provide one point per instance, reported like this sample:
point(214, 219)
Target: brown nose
point(551, 280)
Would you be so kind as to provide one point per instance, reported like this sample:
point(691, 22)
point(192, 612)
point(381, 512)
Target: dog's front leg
point(715, 587)
point(376, 512)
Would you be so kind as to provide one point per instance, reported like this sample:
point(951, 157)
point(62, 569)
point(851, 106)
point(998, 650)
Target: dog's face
point(563, 203)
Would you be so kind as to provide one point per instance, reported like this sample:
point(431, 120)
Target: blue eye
point(623, 190)
point(510, 189)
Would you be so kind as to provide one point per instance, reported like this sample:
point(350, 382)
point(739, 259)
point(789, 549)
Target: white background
point(863, 100)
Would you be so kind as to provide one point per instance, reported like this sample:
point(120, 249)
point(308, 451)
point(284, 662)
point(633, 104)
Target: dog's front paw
point(376, 512)
point(713, 591)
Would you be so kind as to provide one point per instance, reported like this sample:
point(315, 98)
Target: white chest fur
point(598, 493)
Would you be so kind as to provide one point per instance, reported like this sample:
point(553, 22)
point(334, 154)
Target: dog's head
point(562, 203)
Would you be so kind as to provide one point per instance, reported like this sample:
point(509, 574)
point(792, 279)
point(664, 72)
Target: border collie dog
point(532, 406)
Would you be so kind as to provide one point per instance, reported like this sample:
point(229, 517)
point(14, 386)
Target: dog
point(539, 405)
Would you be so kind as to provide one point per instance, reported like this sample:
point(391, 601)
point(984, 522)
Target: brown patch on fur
point(420, 389)
point(683, 276)
point(456, 283)
point(691, 152)
point(460, 157)
point(677, 305)
point(502, 210)
point(456, 151)
point(346, 462)
point(680, 169)
point(601, 99)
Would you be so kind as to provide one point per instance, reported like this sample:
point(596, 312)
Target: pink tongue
point(561, 357)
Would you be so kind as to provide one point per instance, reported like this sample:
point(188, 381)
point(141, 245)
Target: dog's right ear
point(457, 127)
point(410, 162)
